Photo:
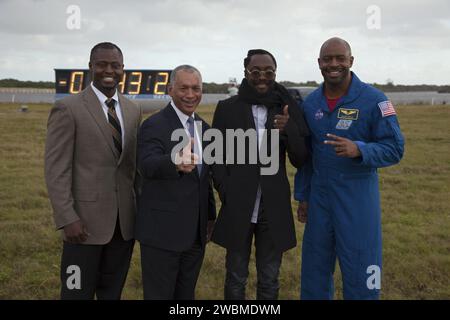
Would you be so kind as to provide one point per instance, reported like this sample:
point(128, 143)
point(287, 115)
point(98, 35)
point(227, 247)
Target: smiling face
point(262, 82)
point(106, 68)
point(186, 91)
point(335, 62)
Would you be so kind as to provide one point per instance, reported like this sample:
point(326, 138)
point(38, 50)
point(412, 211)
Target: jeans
point(268, 262)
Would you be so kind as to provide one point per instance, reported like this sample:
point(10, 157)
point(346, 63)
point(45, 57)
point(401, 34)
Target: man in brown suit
point(90, 170)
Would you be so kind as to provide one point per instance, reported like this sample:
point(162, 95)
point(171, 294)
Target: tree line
point(212, 87)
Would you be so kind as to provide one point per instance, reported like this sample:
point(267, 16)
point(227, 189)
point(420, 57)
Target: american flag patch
point(387, 109)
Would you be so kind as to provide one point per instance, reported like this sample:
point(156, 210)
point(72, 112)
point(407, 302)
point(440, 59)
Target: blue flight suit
point(344, 214)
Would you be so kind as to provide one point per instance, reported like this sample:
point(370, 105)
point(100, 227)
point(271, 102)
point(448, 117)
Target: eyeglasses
point(256, 74)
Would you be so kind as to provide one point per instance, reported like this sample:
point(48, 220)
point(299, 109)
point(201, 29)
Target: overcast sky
point(406, 41)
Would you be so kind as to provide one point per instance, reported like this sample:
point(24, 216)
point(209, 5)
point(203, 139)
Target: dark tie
point(190, 122)
point(114, 124)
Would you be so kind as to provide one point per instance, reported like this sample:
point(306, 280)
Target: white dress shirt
point(260, 118)
point(197, 131)
point(102, 98)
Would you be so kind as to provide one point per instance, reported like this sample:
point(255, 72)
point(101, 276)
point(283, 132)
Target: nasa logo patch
point(319, 114)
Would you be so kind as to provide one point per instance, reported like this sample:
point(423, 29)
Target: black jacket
point(237, 184)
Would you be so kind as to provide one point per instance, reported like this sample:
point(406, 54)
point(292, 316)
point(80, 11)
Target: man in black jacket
point(176, 208)
point(255, 203)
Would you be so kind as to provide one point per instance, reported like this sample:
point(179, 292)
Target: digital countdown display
point(135, 83)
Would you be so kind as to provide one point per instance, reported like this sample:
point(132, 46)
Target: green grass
point(415, 203)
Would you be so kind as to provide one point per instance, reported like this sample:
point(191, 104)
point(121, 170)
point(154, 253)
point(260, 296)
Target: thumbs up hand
point(281, 119)
point(186, 160)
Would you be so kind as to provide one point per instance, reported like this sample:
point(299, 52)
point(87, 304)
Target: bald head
point(335, 41)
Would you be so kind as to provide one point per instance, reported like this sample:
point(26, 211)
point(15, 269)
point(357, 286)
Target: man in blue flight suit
point(354, 131)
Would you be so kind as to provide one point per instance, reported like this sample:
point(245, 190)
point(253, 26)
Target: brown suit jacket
point(86, 179)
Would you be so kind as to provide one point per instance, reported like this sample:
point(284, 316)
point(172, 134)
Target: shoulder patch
point(387, 109)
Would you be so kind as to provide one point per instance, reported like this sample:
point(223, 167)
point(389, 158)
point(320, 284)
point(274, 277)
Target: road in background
point(24, 95)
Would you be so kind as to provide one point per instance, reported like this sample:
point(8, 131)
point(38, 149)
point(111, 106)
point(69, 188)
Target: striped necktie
point(191, 129)
point(114, 124)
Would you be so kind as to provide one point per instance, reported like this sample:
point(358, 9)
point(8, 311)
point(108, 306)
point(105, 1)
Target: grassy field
point(415, 202)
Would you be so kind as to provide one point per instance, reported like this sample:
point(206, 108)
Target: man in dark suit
point(176, 208)
point(256, 204)
point(90, 167)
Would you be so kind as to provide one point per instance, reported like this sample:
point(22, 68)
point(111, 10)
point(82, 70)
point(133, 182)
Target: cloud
point(215, 35)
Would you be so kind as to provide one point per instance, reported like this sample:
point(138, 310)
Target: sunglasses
point(256, 74)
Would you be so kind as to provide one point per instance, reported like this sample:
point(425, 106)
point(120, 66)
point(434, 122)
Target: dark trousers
point(268, 262)
point(102, 269)
point(170, 275)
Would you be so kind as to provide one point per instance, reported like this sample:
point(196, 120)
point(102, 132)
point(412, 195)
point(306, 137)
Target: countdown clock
point(135, 83)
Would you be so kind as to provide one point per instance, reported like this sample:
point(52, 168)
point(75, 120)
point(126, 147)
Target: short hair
point(104, 45)
point(254, 52)
point(339, 40)
point(183, 67)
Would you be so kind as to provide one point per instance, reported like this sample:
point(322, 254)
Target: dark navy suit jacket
point(173, 207)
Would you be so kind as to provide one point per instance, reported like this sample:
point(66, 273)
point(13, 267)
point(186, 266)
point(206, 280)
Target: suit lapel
point(175, 122)
point(128, 124)
point(250, 121)
point(94, 107)
point(271, 112)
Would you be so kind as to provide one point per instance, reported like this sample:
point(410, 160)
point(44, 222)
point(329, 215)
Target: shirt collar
point(101, 96)
point(182, 116)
